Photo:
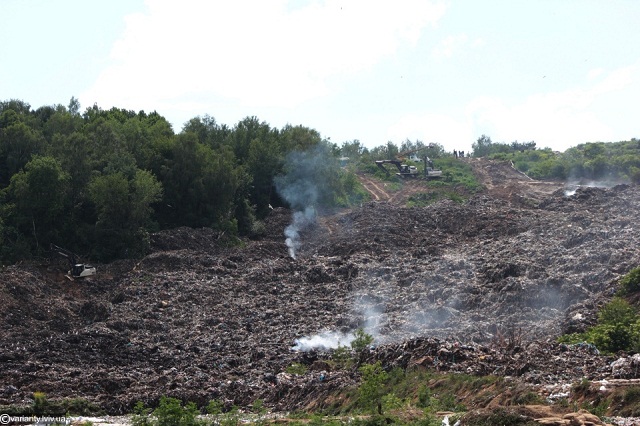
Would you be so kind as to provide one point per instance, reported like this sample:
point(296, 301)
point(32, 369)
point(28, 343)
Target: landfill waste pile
point(481, 287)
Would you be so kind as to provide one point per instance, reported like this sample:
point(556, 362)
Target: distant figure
point(461, 154)
point(455, 153)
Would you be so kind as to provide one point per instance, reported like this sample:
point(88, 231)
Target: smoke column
point(301, 219)
point(303, 187)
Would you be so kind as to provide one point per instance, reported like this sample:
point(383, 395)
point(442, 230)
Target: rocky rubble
point(482, 288)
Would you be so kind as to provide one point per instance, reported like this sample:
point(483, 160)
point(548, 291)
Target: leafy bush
point(215, 407)
point(618, 329)
point(170, 412)
point(297, 369)
point(371, 389)
point(40, 403)
point(630, 283)
point(141, 415)
point(362, 341)
point(424, 396)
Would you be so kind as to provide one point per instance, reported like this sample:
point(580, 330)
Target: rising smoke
point(304, 187)
point(301, 220)
point(572, 187)
point(323, 341)
point(371, 312)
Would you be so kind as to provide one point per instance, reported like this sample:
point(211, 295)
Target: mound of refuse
point(482, 287)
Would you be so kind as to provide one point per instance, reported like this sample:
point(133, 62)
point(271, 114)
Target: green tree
point(18, 143)
point(110, 194)
point(362, 341)
point(203, 187)
point(353, 149)
point(371, 390)
point(482, 146)
point(264, 163)
point(39, 196)
point(123, 211)
point(208, 131)
point(246, 131)
point(630, 283)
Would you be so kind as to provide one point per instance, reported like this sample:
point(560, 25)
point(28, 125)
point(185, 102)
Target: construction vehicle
point(405, 170)
point(77, 269)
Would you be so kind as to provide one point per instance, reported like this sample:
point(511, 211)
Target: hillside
point(516, 265)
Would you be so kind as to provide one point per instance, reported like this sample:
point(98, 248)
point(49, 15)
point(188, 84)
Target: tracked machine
point(405, 170)
point(76, 269)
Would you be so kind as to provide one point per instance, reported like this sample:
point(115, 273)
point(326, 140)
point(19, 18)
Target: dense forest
point(100, 181)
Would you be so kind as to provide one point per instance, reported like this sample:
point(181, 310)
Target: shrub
point(424, 396)
point(40, 403)
point(371, 389)
point(297, 369)
point(362, 341)
point(170, 412)
point(141, 415)
point(215, 407)
point(618, 328)
point(342, 357)
point(630, 283)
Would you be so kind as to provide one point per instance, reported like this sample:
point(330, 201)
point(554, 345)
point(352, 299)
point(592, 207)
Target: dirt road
point(499, 179)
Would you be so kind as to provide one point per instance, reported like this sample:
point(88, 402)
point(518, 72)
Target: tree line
point(606, 161)
point(99, 182)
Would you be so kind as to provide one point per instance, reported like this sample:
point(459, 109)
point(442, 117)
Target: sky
point(557, 72)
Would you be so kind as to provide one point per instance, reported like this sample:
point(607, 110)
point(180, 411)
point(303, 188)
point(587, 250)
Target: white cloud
point(557, 119)
point(450, 44)
point(255, 52)
point(455, 43)
point(594, 73)
point(452, 133)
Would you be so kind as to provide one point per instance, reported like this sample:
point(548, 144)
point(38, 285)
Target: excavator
point(405, 170)
point(77, 269)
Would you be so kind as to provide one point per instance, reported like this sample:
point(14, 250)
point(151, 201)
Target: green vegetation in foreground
point(384, 396)
point(618, 327)
point(43, 406)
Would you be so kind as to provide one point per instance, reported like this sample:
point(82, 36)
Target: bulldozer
point(76, 269)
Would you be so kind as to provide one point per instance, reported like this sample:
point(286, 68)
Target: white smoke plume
point(572, 187)
point(323, 341)
point(372, 312)
point(301, 219)
point(304, 187)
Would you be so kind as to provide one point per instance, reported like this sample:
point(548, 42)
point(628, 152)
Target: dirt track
point(200, 321)
point(499, 179)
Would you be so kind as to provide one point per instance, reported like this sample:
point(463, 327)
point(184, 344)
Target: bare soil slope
point(481, 287)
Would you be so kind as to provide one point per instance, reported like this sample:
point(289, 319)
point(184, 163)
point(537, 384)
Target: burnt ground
point(482, 287)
